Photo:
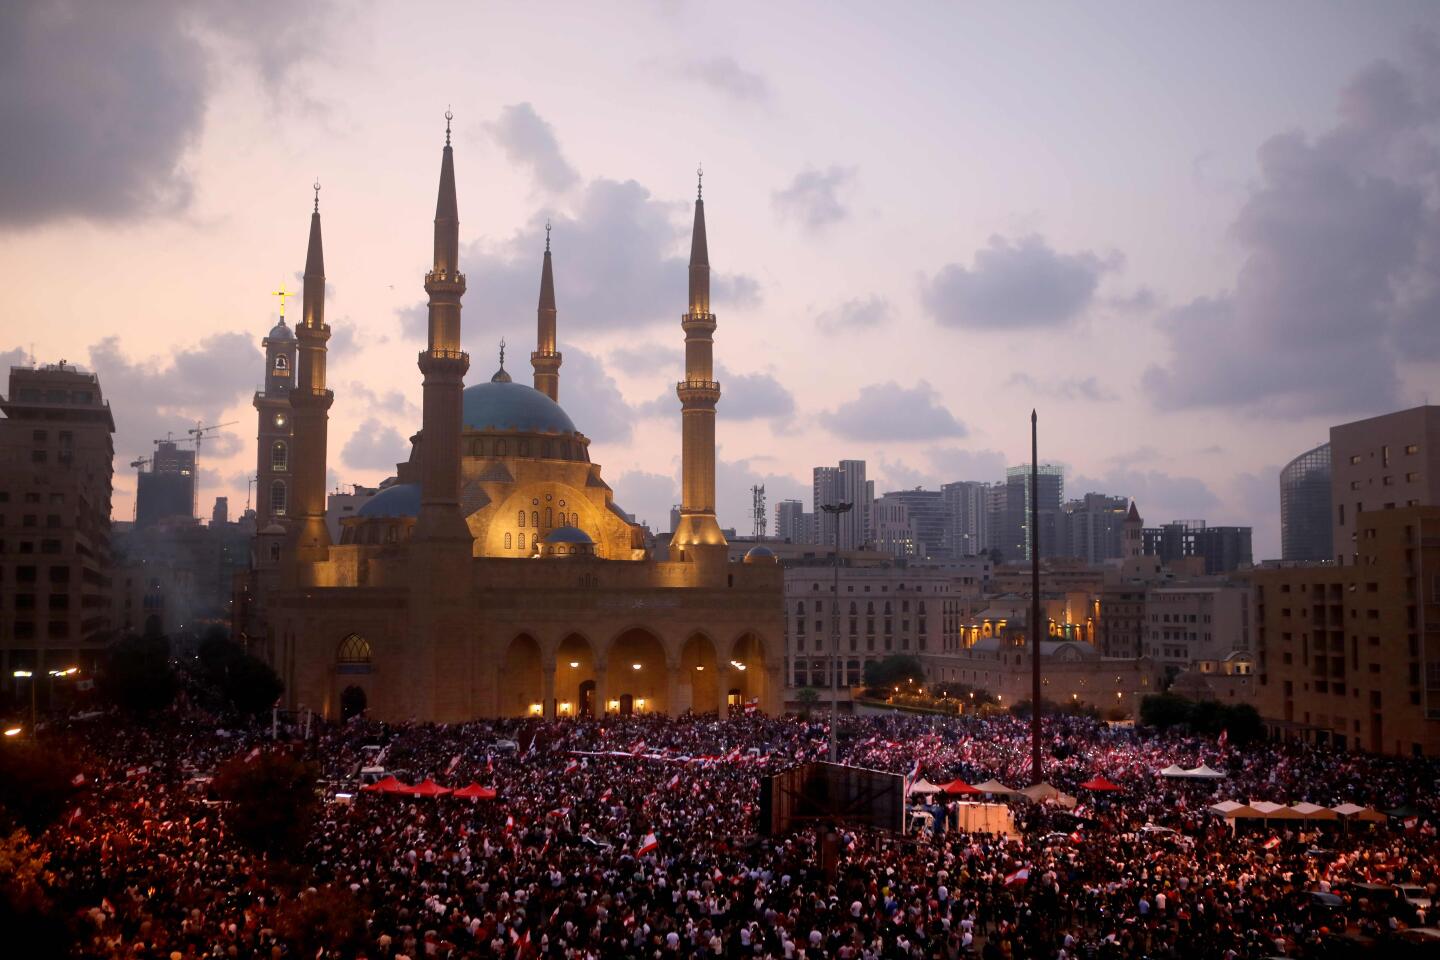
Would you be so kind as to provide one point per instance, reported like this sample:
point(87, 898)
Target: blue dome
point(281, 332)
point(502, 405)
point(759, 554)
point(398, 500)
point(568, 535)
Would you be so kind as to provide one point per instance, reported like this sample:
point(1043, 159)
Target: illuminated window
point(535, 518)
point(507, 541)
point(279, 456)
point(549, 517)
point(353, 649)
point(522, 518)
point(280, 420)
point(281, 364)
point(522, 542)
point(277, 498)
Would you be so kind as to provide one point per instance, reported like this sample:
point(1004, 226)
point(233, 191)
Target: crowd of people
point(640, 837)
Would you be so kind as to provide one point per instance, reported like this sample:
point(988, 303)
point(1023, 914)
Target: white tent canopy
point(995, 787)
point(1205, 772)
point(1174, 770)
point(923, 786)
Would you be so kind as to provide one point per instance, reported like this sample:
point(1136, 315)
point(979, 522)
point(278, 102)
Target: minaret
point(443, 364)
point(546, 359)
point(310, 403)
point(699, 392)
point(1134, 533)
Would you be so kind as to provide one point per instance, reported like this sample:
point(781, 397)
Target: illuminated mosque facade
point(497, 576)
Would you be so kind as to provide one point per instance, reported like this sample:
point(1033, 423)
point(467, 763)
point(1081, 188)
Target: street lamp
point(27, 675)
point(835, 510)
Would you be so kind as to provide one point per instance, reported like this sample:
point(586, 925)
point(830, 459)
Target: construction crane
point(199, 434)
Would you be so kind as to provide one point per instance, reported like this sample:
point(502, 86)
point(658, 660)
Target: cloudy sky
point(1194, 236)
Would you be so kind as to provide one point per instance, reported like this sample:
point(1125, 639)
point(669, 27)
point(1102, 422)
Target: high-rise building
point(1306, 526)
point(792, 523)
point(913, 524)
point(843, 484)
point(56, 467)
point(997, 512)
point(167, 490)
point(967, 505)
point(1016, 537)
point(220, 514)
point(1347, 655)
point(1382, 463)
point(1092, 528)
point(1223, 549)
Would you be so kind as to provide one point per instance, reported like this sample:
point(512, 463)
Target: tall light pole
point(29, 675)
point(1035, 771)
point(835, 510)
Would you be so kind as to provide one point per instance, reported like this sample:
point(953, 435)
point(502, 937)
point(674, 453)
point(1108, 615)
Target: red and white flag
point(648, 845)
point(509, 823)
point(560, 812)
point(733, 755)
point(454, 762)
point(1019, 876)
point(77, 780)
point(674, 782)
point(1272, 843)
point(571, 767)
point(606, 795)
point(637, 748)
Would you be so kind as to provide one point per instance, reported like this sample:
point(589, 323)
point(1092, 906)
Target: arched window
point(507, 541)
point(852, 608)
point(522, 543)
point(274, 553)
point(522, 518)
point(535, 518)
point(549, 517)
point(477, 448)
point(499, 448)
point(281, 363)
point(353, 655)
point(279, 456)
point(353, 649)
point(801, 607)
point(277, 498)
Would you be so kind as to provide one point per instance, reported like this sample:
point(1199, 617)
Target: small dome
point(568, 535)
point(759, 554)
point(398, 500)
point(281, 332)
point(502, 405)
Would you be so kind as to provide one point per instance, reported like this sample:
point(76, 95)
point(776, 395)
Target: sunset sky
point(1194, 236)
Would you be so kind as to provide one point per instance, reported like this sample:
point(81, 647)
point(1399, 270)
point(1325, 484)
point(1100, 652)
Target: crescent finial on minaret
point(547, 234)
point(316, 186)
point(700, 181)
point(448, 117)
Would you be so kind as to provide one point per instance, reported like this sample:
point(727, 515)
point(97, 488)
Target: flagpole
point(1035, 625)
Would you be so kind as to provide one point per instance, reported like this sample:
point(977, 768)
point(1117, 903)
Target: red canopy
point(476, 792)
point(386, 785)
point(957, 787)
point(1099, 783)
point(428, 788)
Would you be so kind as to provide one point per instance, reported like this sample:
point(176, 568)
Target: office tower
point(1305, 524)
point(967, 505)
point(1093, 528)
point(1223, 549)
point(167, 490)
point(1382, 463)
point(792, 523)
point(912, 524)
point(843, 484)
point(1016, 537)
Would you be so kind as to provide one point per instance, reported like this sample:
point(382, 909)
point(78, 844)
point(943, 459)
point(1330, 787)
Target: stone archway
point(637, 666)
point(699, 681)
point(749, 672)
point(521, 679)
point(352, 702)
point(574, 677)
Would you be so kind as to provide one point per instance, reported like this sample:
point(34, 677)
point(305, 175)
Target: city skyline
point(898, 310)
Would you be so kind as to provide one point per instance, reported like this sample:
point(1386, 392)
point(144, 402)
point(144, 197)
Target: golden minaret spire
point(546, 359)
point(698, 392)
point(443, 364)
point(310, 402)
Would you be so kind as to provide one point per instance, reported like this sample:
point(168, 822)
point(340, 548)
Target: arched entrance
point(352, 702)
point(627, 705)
point(749, 678)
point(574, 677)
point(520, 685)
point(699, 676)
point(637, 668)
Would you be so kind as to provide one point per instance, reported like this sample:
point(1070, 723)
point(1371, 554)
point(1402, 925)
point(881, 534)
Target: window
point(281, 363)
point(278, 502)
point(549, 517)
point(1412, 448)
point(1412, 477)
point(280, 420)
point(535, 518)
point(279, 456)
point(507, 541)
point(522, 542)
point(353, 654)
point(522, 518)
point(1385, 455)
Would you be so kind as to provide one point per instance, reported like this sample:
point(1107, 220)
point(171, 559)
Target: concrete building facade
point(1193, 622)
point(1382, 463)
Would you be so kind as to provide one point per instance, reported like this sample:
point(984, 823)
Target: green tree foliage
point(271, 801)
point(31, 926)
point(807, 697)
point(327, 919)
point(245, 684)
point(894, 669)
point(1240, 722)
point(35, 786)
point(138, 676)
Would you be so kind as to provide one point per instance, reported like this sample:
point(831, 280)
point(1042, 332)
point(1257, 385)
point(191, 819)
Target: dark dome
point(759, 554)
point(281, 332)
point(503, 405)
point(568, 535)
point(398, 500)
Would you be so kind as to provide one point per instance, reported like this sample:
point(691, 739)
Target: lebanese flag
point(1019, 876)
point(606, 795)
point(489, 764)
point(1224, 736)
point(509, 823)
point(637, 748)
point(674, 782)
point(914, 774)
point(1272, 843)
point(454, 762)
point(77, 780)
point(560, 812)
point(733, 756)
point(648, 845)
point(571, 767)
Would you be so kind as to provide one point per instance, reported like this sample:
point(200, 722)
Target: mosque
point(497, 576)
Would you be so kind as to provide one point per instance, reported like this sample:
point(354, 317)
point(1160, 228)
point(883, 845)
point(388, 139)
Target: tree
point(35, 786)
point(807, 697)
point(894, 669)
point(246, 684)
point(32, 928)
point(1164, 710)
point(271, 801)
point(138, 676)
